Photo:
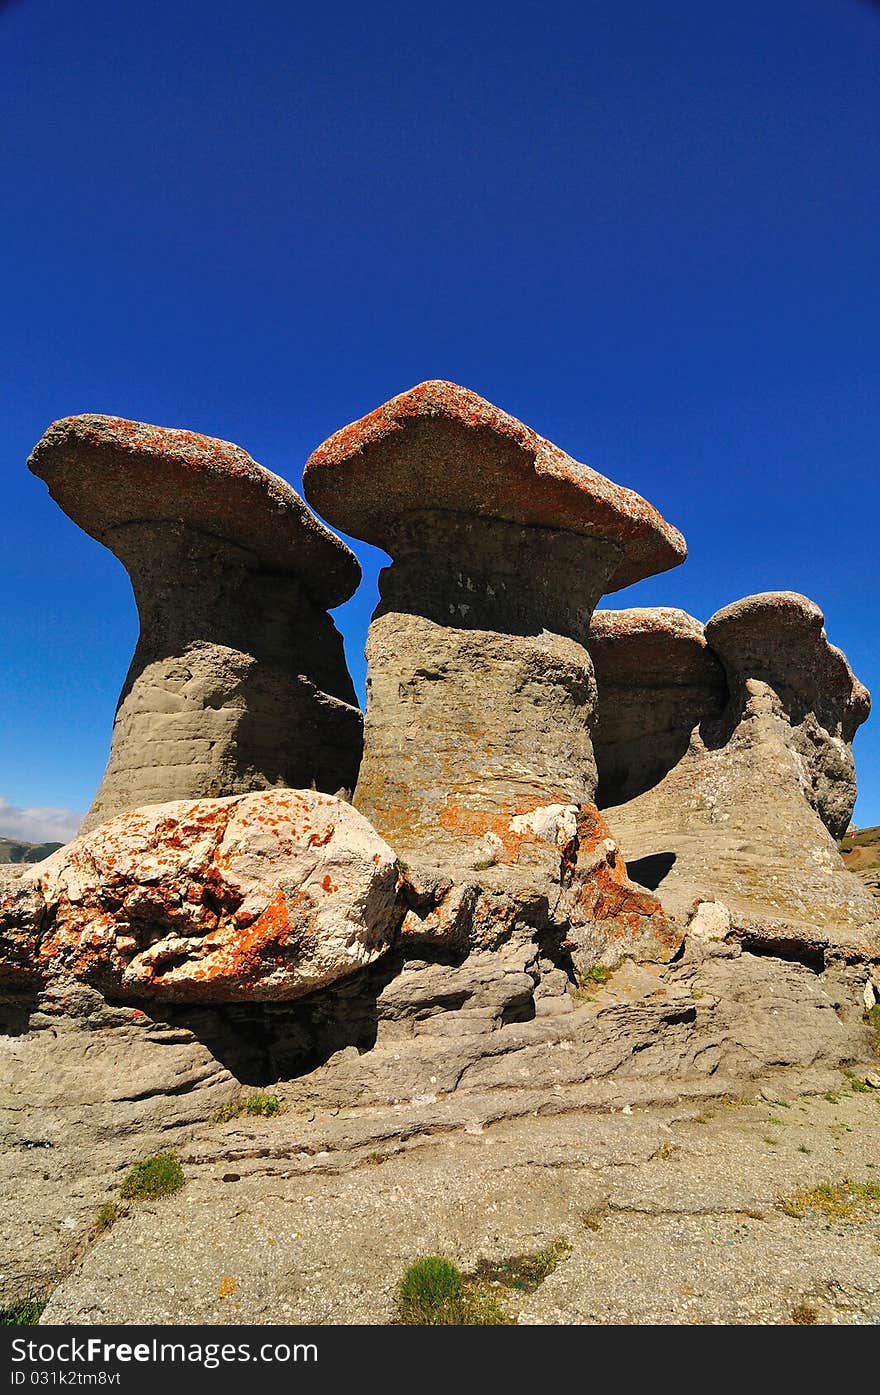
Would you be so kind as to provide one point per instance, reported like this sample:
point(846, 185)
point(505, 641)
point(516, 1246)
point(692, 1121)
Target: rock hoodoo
point(775, 643)
point(743, 813)
point(657, 680)
point(480, 686)
point(239, 680)
point(258, 898)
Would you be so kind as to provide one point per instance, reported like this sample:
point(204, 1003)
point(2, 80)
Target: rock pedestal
point(238, 681)
point(742, 817)
point(480, 686)
point(658, 680)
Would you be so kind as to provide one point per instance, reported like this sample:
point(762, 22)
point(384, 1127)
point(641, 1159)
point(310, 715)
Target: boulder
point(249, 898)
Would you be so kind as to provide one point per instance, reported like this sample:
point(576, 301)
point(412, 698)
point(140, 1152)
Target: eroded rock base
point(416, 1054)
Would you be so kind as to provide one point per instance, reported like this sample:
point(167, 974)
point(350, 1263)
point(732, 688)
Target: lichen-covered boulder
point(253, 897)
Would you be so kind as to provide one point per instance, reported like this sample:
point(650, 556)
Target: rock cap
point(780, 636)
point(442, 447)
point(106, 472)
point(651, 646)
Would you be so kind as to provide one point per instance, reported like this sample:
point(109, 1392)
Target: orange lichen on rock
point(217, 900)
point(442, 446)
point(106, 472)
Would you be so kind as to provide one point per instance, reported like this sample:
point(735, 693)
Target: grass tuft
point(854, 1202)
point(107, 1215)
point(27, 1313)
point(154, 1177)
point(432, 1294)
point(262, 1106)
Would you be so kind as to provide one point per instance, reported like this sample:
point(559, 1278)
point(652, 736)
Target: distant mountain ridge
point(14, 850)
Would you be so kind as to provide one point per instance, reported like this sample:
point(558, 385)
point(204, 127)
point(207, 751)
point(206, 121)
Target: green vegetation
point(874, 1022)
point(24, 1314)
point(864, 838)
point(434, 1293)
point(154, 1177)
point(836, 1201)
point(264, 1106)
point(589, 981)
point(107, 1215)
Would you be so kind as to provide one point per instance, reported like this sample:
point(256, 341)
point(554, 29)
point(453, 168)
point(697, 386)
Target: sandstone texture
point(239, 680)
point(658, 680)
point(467, 1127)
point(778, 640)
point(442, 448)
point(484, 1018)
point(480, 685)
point(743, 814)
point(671, 1215)
point(262, 896)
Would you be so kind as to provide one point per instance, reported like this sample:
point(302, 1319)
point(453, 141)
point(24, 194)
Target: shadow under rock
point(16, 1010)
point(261, 1043)
point(650, 871)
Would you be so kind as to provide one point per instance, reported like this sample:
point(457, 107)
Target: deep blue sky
point(649, 230)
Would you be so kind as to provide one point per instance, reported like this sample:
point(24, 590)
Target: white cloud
point(41, 824)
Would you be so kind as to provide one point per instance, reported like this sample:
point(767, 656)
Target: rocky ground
point(679, 1214)
point(647, 1129)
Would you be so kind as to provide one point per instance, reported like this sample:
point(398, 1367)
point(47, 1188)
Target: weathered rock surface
point(777, 639)
point(480, 686)
point(555, 868)
point(671, 1215)
point(518, 1113)
point(441, 447)
point(239, 679)
point(84, 1089)
point(657, 680)
point(253, 897)
point(742, 815)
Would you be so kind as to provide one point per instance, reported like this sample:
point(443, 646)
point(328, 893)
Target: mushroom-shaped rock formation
point(258, 897)
point(239, 680)
point(656, 679)
point(777, 640)
point(480, 686)
point(743, 815)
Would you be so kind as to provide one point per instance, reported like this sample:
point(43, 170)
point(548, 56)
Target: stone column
point(238, 681)
point(480, 685)
point(657, 681)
